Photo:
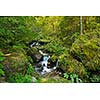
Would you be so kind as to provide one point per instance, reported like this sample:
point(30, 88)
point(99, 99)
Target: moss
point(74, 66)
point(15, 62)
point(54, 79)
point(87, 48)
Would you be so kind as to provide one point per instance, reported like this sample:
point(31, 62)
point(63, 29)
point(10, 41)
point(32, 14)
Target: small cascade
point(43, 65)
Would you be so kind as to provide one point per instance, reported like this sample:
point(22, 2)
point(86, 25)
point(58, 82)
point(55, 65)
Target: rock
point(2, 80)
point(87, 50)
point(34, 54)
point(34, 79)
point(16, 62)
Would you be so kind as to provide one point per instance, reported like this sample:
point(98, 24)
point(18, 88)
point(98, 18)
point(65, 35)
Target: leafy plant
point(86, 49)
point(95, 78)
point(27, 79)
point(72, 77)
point(2, 73)
point(1, 56)
point(30, 70)
point(20, 78)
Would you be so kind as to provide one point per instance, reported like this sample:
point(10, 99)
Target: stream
point(44, 63)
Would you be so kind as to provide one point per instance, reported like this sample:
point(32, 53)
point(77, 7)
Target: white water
point(43, 69)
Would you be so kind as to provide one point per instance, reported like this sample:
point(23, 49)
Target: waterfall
point(45, 64)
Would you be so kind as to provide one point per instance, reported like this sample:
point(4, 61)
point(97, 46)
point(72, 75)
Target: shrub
point(74, 78)
point(2, 73)
point(1, 56)
point(20, 78)
point(87, 49)
point(30, 70)
point(71, 65)
point(95, 78)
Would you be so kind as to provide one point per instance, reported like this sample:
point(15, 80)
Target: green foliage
point(30, 70)
point(53, 80)
point(1, 56)
point(2, 73)
point(95, 78)
point(1, 59)
point(77, 53)
point(72, 77)
point(87, 49)
point(14, 30)
point(55, 47)
point(20, 78)
point(27, 79)
point(69, 26)
point(71, 65)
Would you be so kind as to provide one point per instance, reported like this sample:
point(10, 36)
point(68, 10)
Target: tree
point(14, 30)
point(81, 25)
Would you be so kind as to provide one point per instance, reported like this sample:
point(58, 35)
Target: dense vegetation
point(78, 53)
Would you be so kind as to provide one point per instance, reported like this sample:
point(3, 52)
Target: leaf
point(1, 66)
point(2, 72)
point(1, 54)
point(1, 59)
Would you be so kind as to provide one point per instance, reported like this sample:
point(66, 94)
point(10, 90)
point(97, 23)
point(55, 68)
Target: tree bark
point(81, 25)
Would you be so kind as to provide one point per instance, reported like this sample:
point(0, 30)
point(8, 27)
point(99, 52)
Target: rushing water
point(43, 69)
point(42, 66)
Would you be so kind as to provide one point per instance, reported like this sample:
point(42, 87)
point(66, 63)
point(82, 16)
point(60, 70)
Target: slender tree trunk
point(81, 25)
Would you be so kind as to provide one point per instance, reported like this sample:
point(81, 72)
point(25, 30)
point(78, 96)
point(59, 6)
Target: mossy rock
point(53, 79)
point(74, 66)
point(34, 55)
point(71, 65)
point(86, 49)
point(15, 62)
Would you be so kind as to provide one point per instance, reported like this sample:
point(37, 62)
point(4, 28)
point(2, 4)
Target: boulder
point(86, 50)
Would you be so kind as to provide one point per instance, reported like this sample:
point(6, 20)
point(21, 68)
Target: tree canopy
point(78, 50)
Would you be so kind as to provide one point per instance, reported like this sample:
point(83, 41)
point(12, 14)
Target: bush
point(30, 70)
point(95, 78)
point(71, 65)
point(20, 78)
point(87, 49)
point(55, 47)
point(74, 78)
point(1, 56)
point(2, 73)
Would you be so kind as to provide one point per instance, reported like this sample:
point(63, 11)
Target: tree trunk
point(81, 25)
